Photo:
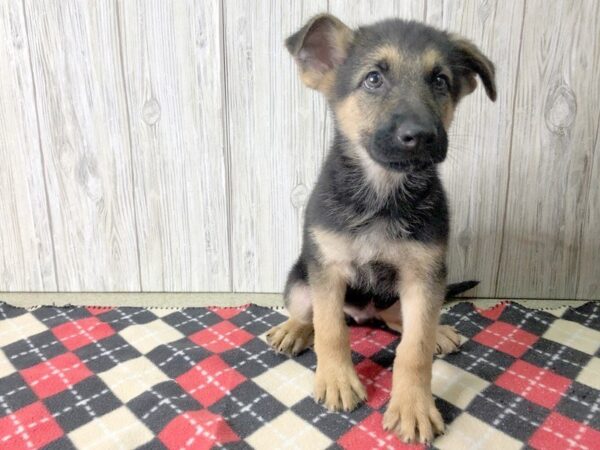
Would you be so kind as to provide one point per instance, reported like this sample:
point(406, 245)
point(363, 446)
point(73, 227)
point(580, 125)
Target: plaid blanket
point(205, 378)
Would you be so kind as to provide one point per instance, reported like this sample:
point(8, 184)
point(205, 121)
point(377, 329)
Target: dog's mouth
point(411, 165)
point(416, 164)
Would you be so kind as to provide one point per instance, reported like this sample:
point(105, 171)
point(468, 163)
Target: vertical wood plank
point(588, 285)
point(173, 70)
point(26, 253)
point(84, 139)
point(365, 12)
point(277, 132)
point(556, 119)
point(476, 171)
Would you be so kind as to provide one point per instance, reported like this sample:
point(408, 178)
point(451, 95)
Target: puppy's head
point(393, 86)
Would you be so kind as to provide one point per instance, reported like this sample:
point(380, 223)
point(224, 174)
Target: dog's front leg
point(411, 412)
point(336, 382)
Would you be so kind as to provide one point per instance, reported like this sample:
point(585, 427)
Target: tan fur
point(291, 337)
point(340, 37)
point(351, 119)
point(391, 55)
point(429, 59)
point(375, 245)
point(336, 382)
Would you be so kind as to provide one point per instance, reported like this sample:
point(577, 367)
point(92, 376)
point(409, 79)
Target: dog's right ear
point(319, 48)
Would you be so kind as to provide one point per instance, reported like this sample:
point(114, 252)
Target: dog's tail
point(452, 290)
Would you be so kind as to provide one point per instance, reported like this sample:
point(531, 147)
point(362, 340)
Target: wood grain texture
point(551, 190)
point(173, 71)
point(278, 134)
point(84, 140)
point(476, 171)
point(26, 253)
point(365, 12)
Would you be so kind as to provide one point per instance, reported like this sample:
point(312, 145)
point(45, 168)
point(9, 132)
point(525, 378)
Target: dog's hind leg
point(297, 333)
point(447, 339)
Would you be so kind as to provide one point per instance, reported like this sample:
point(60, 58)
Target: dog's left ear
point(319, 48)
point(475, 63)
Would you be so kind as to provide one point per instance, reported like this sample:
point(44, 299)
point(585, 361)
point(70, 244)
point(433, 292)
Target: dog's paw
point(412, 415)
point(291, 337)
point(447, 340)
point(339, 388)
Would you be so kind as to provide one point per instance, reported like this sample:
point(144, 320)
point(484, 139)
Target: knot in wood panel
point(299, 196)
point(151, 111)
point(560, 109)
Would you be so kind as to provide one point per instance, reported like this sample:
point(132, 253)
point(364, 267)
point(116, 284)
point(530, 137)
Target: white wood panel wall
point(169, 146)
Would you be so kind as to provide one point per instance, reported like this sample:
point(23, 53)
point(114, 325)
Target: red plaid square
point(558, 432)
point(537, 385)
point(369, 433)
point(210, 380)
point(95, 310)
point(228, 313)
point(197, 429)
point(377, 381)
point(78, 333)
point(368, 341)
point(506, 338)
point(492, 313)
point(27, 428)
point(221, 337)
point(55, 375)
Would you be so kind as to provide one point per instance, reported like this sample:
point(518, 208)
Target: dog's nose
point(411, 134)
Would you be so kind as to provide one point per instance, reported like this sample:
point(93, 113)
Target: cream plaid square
point(130, 378)
point(574, 335)
point(289, 431)
point(288, 382)
point(469, 432)
point(118, 429)
point(21, 327)
point(6, 367)
point(454, 384)
point(147, 337)
point(590, 374)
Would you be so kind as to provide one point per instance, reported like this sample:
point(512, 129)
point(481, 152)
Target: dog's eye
point(373, 80)
point(441, 82)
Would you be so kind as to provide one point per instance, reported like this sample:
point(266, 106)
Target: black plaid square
point(154, 444)
point(508, 412)
point(587, 315)
point(307, 358)
point(256, 320)
point(177, 357)
point(15, 393)
point(536, 322)
point(81, 403)
point(10, 312)
point(331, 424)
point(253, 358)
point(581, 403)
point(448, 411)
point(191, 320)
point(37, 348)
point(107, 353)
point(64, 443)
point(161, 404)
point(121, 318)
point(565, 361)
point(465, 319)
point(483, 361)
point(53, 317)
point(247, 408)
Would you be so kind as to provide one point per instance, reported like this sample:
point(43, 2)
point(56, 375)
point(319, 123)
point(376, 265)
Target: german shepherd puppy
point(376, 225)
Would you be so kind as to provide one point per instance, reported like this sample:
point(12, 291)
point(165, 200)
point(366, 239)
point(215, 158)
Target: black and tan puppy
point(376, 225)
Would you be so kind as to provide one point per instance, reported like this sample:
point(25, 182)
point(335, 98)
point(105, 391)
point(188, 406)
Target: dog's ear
point(473, 62)
point(319, 47)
